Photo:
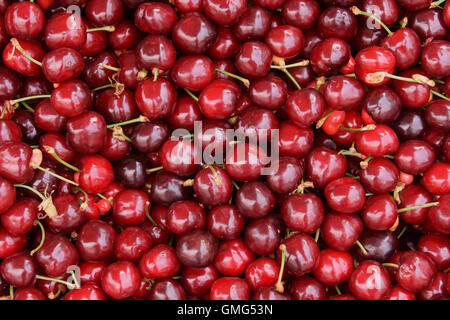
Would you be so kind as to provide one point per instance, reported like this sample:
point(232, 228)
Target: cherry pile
point(98, 200)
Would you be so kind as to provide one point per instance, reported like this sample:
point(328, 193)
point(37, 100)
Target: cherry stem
point(350, 75)
point(110, 67)
point(356, 12)
point(102, 197)
point(426, 205)
point(246, 82)
point(106, 86)
point(235, 184)
point(436, 4)
point(351, 153)
point(316, 238)
point(388, 264)
point(402, 232)
point(118, 134)
point(84, 204)
point(369, 194)
point(290, 76)
point(27, 107)
point(147, 213)
point(217, 179)
point(322, 120)
point(11, 292)
point(53, 296)
point(360, 245)
point(418, 78)
point(35, 166)
point(388, 156)
point(17, 45)
point(279, 286)
point(40, 195)
point(302, 63)
point(105, 28)
point(365, 128)
point(38, 223)
point(172, 239)
point(351, 176)
point(440, 95)
point(139, 119)
point(66, 283)
point(337, 290)
point(52, 152)
point(193, 96)
point(40, 96)
point(154, 169)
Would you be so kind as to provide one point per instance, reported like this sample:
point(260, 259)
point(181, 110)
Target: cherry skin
point(407, 90)
point(88, 291)
point(185, 216)
point(9, 195)
point(155, 99)
point(437, 247)
point(254, 59)
point(286, 177)
point(219, 99)
point(303, 212)
point(91, 271)
point(19, 270)
point(416, 271)
point(387, 10)
point(104, 13)
point(414, 156)
point(379, 212)
point(149, 137)
point(254, 200)
point(380, 176)
point(10, 84)
point(198, 281)
point(382, 104)
point(56, 255)
point(435, 179)
point(213, 187)
point(227, 44)
point(307, 288)
point(436, 289)
point(28, 293)
point(10, 243)
point(345, 195)
point(65, 30)
point(438, 216)
point(324, 165)
point(69, 218)
point(436, 115)
point(334, 267)
point(167, 289)
point(269, 92)
point(160, 262)
point(294, 141)
point(19, 219)
point(96, 241)
point(398, 293)
point(414, 4)
point(196, 249)
point(429, 23)
point(62, 64)
point(130, 171)
point(9, 132)
point(343, 93)
point(230, 288)
point(86, 132)
point(233, 257)
point(432, 58)
point(414, 195)
point(253, 24)
point(185, 114)
point(155, 18)
point(405, 45)
point(263, 235)
point(224, 13)
point(15, 162)
point(30, 131)
point(305, 107)
point(155, 51)
point(129, 207)
point(329, 55)
point(337, 22)
point(121, 280)
point(378, 142)
point(24, 20)
point(194, 34)
point(15, 60)
point(178, 156)
point(302, 14)
point(193, 72)
point(341, 230)
point(410, 124)
point(46, 117)
point(262, 272)
point(245, 161)
point(115, 149)
point(285, 41)
point(225, 222)
point(374, 59)
point(363, 277)
point(167, 188)
point(302, 254)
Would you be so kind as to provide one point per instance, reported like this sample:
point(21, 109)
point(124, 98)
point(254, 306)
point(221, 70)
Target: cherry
point(20, 217)
point(285, 41)
point(10, 243)
point(254, 59)
point(213, 186)
point(194, 33)
point(410, 124)
point(167, 188)
point(230, 288)
point(129, 207)
point(380, 176)
point(224, 13)
point(65, 30)
point(345, 195)
point(269, 92)
point(438, 216)
point(155, 18)
point(155, 53)
point(9, 132)
point(30, 131)
point(324, 165)
point(286, 177)
point(436, 289)
point(405, 45)
point(303, 212)
point(96, 41)
point(407, 90)
point(437, 247)
point(4, 36)
point(267, 293)
point(294, 141)
point(62, 64)
point(10, 84)
point(185, 114)
point(432, 62)
point(167, 289)
point(149, 137)
point(378, 142)
point(436, 115)
point(379, 212)
point(386, 10)
point(253, 24)
point(414, 156)
point(104, 13)
point(159, 262)
point(398, 293)
point(219, 99)
point(262, 272)
point(435, 179)
point(225, 222)
point(302, 254)
point(198, 281)
point(233, 257)
point(374, 59)
point(329, 55)
point(343, 93)
point(305, 107)
point(414, 4)
point(9, 195)
point(429, 23)
point(414, 195)
point(69, 217)
point(337, 22)
point(307, 288)
point(302, 14)
point(186, 6)
point(196, 249)
point(28, 293)
point(96, 241)
point(46, 117)
point(155, 99)
point(416, 271)
point(312, 38)
point(361, 282)
point(24, 20)
point(121, 280)
point(56, 255)
point(178, 156)
point(86, 132)
point(71, 98)
point(91, 271)
point(88, 291)
point(340, 231)
point(334, 267)
point(382, 104)
point(245, 161)
point(15, 162)
point(19, 269)
point(14, 59)
point(193, 72)
point(263, 235)
point(185, 216)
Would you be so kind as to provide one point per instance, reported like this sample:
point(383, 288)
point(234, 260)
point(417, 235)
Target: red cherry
point(365, 276)
point(233, 257)
point(160, 262)
point(374, 59)
point(334, 267)
point(24, 20)
point(377, 142)
point(88, 291)
point(230, 288)
point(262, 272)
point(121, 280)
point(416, 271)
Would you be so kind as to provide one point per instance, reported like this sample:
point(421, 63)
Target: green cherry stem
point(392, 265)
point(39, 96)
point(316, 238)
point(193, 96)
point(147, 213)
point(40, 195)
point(279, 286)
point(357, 12)
point(105, 28)
point(426, 205)
point(35, 166)
point(16, 45)
point(154, 169)
point(246, 82)
point(337, 290)
point(139, 119)
point(52, 152)
point(440, 95)
point(360, 245)
point(66, 283)
point(27, 107)
point(41, 243)
point(110, 67)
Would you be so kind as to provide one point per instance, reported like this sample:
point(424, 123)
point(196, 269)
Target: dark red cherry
point(69, 218)
point(95, 74)
point(414, 195)
point(9, 132)
point(412, 94)
point(269, 92)
point(15, 60)
point(4, 36)
point(185, 216)
point(303, 212)
point(160, 262)
point(294, 141)
point(438, 216)
point(193, 72)
point(254, 199)
point(263, 235)
point(398, 293)
point(167, 289)
point(302, 254)
point(155, 99)
point(254, 59)
point(10, 244)
point(230, 288)
point(345, 195)
point(414, 156)
point(379, 212)
point(88, 291)
point(178, 156)
point(262, 272)
point(116, 108)
point(155, 52)
point(19, 219)
point(414, 4)
point(71, 98)
point(185, 114)
point(57, 255)
point(405, 45)
point(167, 188)
point(363, 278)
point(19, 270)
point(225, 222)
point(305, 107)
point(15, 160)
point(435, 179)
point(329, 55)
point(226, 44)
point(28, 293)
point(196, 249)
point(382, 104)
point(380, 176)
point(437, 115)
point(58, 142)
point(338, 22)
point(155, 18)
point(198, 281)
point(285, 41)
point(62, 64)
point(65, 30)
point(10, 84)
point(302, 14)
point(104, 12)
point(386, 10)
point(434, 61)
point(194, 34)
point(131, 244)
point(341, 230)
point(436, 289)
point(129, 207)
point(86, 132)
point(91, 271)
point(96, 174)
point(9, 195)
point(222, 12)
point(416, 271)
point(96, 241)
point(437, 247)
point(186, 6)
point(96, 42)
point(30, 131)
point(343, 93)
point(253, 24)
point(377, 142)
point(149, 137)
point(46, 117)
point(334, 267)
point(121, 280)
point(307, 288)
point(324, 165)
point(233, 257)
point(212, 185)
point(285, 176)
point(429, 23)
point(410, 124)
point(24, 20)
point(219, 99)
